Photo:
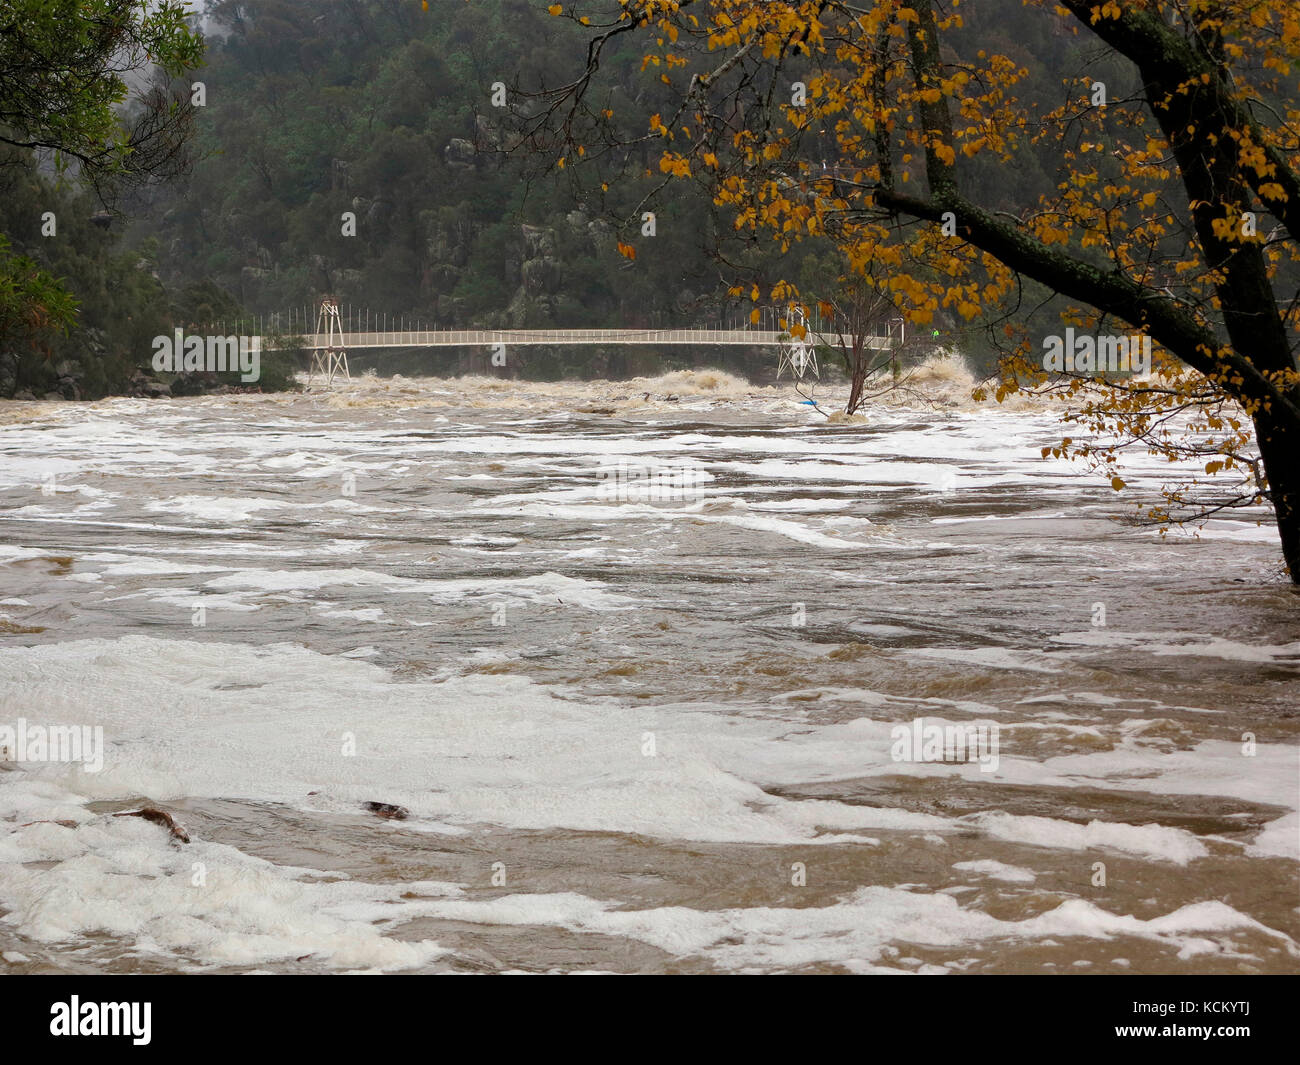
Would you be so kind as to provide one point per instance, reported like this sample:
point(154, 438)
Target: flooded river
point(643, 664)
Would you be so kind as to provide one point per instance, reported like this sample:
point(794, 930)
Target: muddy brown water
point(796, 591)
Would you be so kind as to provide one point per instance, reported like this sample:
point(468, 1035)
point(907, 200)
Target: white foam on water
point(295, 460)
point(133, 566)
point(203, 903)
point(1012, 874)
point(1278, 839)
point(375, 614)
point(212, 720)
point(1158, 643)
point(863, 628)
point(189, 719)
point(1263, 531)
point(991, 657)
point(236, 509)
point(800, 505)
point(1149, 841)
point(1267, 775)
point(597, 515)
point(779, 527)
point(187, 599)
point(858, 929)
point(214, 508)
point(543, 588)
point(12, 553)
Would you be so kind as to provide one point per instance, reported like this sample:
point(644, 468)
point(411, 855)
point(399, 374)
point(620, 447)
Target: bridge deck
point(449, 338)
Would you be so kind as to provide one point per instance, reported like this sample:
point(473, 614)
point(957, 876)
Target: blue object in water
point(807, 403)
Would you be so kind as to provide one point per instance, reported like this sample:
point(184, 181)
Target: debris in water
point(159, 817)
point(389, 810)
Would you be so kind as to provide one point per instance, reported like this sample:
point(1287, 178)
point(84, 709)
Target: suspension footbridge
point(329, 344)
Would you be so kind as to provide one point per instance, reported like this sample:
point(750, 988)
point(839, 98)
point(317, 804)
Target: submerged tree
point(855, 322)
point(1169, 205)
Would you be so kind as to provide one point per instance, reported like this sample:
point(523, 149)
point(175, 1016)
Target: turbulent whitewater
point(632, 656)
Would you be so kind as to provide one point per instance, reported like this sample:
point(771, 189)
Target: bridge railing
point(562, 337)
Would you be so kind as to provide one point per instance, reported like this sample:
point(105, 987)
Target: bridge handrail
point(529, 337)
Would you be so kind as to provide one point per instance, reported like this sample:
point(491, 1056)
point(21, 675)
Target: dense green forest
point(312, 114)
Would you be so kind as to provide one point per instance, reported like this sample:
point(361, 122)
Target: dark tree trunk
point(1279, 446)
point(858, 365)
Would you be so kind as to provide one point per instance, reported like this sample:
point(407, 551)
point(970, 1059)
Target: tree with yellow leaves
point(1172, 210)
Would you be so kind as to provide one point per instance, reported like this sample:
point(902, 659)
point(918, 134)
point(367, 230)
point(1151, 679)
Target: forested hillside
point(313, 113)
point(385, 111)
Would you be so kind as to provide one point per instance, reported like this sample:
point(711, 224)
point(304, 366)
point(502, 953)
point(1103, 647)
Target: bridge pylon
point(332, 358)
point(797, 354)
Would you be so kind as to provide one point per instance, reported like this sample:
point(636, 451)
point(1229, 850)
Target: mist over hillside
point(353, 148)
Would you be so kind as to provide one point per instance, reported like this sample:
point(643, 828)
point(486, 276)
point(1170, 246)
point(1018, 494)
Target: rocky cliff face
point(532, 270)
point(540, 275)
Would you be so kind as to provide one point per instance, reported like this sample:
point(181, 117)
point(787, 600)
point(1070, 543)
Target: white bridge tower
point(331, 359)
point(798, 354)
